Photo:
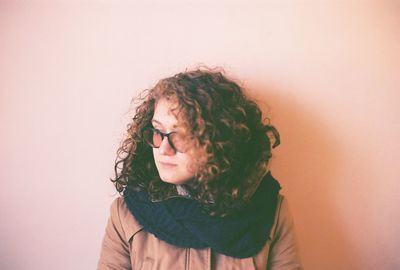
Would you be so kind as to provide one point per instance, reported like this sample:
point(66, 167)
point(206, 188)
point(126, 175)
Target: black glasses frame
point(163, 135)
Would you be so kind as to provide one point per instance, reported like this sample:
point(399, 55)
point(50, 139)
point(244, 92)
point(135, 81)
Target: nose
point(165, 148)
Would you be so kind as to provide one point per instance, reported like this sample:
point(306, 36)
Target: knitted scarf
point(182, 222)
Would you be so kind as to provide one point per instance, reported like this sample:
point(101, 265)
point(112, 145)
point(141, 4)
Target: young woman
point(196, 192)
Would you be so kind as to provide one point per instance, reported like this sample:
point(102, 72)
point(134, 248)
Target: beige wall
point(328, 71)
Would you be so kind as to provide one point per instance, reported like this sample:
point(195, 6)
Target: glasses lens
point(152, 137)
point(180, 143)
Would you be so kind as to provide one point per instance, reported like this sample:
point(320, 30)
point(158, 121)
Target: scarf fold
point(182, 222)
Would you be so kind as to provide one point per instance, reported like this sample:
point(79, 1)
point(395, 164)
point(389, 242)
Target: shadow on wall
point(306, 164)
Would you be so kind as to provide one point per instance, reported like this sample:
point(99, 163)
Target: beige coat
point(127, 246)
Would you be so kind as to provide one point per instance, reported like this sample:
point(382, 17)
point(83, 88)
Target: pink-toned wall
point(326, 71)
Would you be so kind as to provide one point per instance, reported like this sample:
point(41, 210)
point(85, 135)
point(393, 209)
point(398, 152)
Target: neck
point(182, 191)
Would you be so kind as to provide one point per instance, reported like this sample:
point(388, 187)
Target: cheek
point(191, 168)
point(188, 164)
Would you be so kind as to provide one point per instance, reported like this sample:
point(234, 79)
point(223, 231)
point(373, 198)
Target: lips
point(167, 164)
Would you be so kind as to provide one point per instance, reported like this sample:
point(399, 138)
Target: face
point(173, 167)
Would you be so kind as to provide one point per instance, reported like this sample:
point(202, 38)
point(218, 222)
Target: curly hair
point(232, 143)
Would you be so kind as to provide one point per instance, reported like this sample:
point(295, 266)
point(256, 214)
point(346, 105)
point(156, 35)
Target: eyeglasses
point(154, 138)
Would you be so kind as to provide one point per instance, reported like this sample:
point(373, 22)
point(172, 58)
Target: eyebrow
point(158, 122)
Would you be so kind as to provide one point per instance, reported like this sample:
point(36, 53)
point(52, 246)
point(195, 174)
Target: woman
point(196, 190)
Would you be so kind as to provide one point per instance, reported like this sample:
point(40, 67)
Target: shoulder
point(282, 206)
point(284, 251)
point(283, 217)
point(120, 213)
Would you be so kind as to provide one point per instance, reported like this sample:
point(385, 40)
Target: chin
point(174, 179)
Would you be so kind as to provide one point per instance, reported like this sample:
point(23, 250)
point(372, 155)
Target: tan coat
point(127, 246)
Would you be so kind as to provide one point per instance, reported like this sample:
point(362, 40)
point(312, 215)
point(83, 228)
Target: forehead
point(166, 112)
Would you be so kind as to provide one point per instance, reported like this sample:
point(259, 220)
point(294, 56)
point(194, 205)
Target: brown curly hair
point(231, 140)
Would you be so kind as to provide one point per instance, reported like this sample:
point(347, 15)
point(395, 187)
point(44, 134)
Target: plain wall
point(325, 72)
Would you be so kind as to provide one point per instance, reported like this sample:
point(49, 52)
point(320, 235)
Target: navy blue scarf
point(182, 222)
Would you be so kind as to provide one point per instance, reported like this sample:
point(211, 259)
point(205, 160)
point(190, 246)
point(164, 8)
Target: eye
point(157, 128)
